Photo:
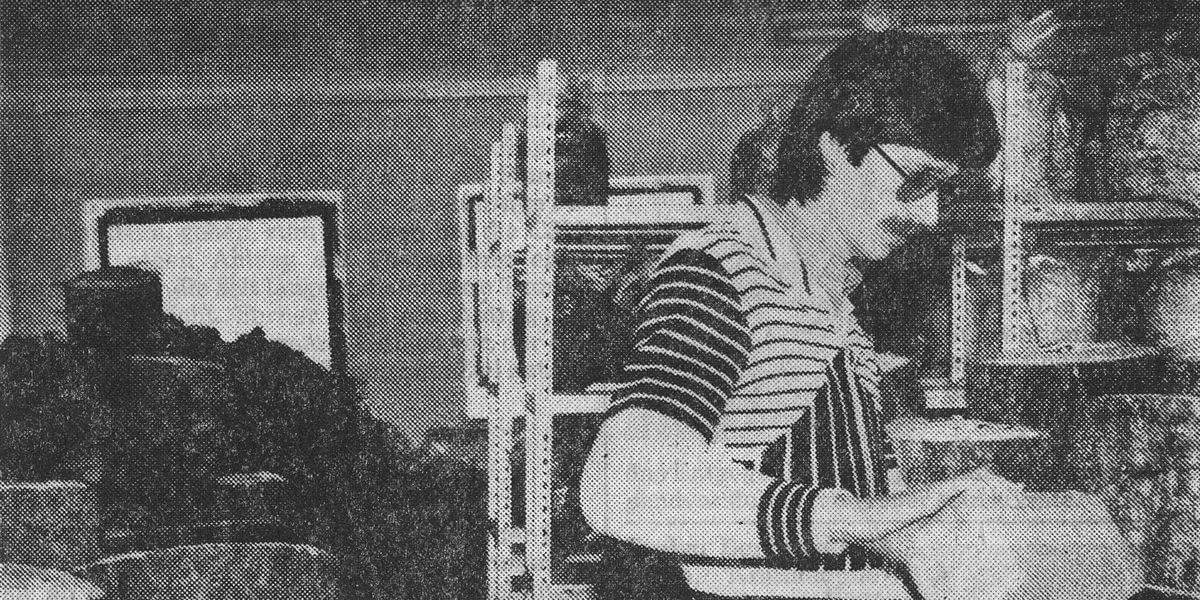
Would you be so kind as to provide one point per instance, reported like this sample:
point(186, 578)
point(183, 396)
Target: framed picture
point(235, 263)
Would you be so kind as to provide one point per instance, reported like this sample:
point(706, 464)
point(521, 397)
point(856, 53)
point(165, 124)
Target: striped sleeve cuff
point(786, 528)
point(888, 455)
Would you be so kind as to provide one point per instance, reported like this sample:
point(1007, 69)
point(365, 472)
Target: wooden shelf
point(478, 400)
point(1108, 212)
point(578, 217)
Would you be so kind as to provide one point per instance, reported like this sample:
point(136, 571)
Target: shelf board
point(1085, 354)
point(478, 401)
point(1108, 212)
point(1042, 209)
point(656, 215)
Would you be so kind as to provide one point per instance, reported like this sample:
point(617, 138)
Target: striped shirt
point(734, 342)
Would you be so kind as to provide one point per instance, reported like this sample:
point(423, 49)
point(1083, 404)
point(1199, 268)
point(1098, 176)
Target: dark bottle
point(581, 161)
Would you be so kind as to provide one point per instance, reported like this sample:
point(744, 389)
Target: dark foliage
point(152, 433)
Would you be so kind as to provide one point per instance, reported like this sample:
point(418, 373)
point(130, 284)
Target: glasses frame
point(934, 185)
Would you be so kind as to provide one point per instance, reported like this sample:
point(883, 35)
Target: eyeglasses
point(921, 184)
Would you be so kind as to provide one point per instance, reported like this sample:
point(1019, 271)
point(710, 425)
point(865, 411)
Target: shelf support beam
point(539, 355)
point(1012, 253)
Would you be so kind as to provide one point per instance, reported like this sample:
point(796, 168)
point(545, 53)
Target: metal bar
point(468, 282)
point(488, 248)
point(610, 216)
point(958, 308)
point(100, 93)
point(509, 221)
point(560, 404)
point(1087, 213)
point(500, 438)
point(1015, 123)
point(832, 34)
point(539, 360)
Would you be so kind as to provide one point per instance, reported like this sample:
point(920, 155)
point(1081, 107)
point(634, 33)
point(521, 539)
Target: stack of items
point(53, 524)
point(182, 440)
point(248, 571)
point(1141, 453)
point(1151, 139)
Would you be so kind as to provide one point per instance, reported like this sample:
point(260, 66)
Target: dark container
point(581, 161)
point(113, 308)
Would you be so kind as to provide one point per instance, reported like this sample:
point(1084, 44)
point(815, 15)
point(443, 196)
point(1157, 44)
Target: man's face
point(888, 198)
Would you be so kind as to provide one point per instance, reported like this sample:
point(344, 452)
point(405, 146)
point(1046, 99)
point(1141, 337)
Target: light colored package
point(24, 582)
point(1057, 546)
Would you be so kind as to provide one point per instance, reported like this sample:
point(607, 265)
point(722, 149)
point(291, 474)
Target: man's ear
point(837, 158)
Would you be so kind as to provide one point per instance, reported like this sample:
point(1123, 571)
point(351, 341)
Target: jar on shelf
point(1173, 304)
point(581, 161)
point(752, 166)
point(1148, 147)
point(1053, 138)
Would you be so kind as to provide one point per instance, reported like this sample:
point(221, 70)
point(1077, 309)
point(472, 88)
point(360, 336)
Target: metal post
point(510, 392)
point(542, 116)
point(497, 220)
point(1015, 123)
point(958, 308)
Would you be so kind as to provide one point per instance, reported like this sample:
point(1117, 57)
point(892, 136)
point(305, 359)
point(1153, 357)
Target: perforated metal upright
point(499, 239)
point(1012, 253)
point(539, 269)
point(958, 308)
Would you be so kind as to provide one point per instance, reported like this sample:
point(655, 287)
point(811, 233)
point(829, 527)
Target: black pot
point(581, 162)
point(113, 308)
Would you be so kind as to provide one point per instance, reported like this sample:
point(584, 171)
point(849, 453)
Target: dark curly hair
point(885, 88)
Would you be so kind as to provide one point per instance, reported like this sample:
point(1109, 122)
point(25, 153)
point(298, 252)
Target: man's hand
point(862, 521)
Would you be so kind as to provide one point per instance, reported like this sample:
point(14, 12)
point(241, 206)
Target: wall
point(397, 161)
point(396, 148)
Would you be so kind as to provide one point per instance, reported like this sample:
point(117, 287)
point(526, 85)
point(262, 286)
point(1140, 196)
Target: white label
point(953, 398)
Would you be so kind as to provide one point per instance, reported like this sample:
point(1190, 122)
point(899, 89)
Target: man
point(745, 436)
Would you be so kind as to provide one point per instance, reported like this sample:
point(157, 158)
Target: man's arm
point(653, 481)
point(653, 478)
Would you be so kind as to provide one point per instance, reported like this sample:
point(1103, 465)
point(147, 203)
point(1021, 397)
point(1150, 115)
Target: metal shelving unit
point(514, 232)
point(1031, 219)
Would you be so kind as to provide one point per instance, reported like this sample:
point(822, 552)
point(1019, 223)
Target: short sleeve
point(691, 343)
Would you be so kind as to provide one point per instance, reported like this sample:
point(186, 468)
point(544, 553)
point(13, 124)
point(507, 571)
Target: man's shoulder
point(727, 241)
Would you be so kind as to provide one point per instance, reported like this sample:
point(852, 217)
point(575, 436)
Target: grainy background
point(394, 104)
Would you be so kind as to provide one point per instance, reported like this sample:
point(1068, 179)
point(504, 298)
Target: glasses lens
point(922, 184)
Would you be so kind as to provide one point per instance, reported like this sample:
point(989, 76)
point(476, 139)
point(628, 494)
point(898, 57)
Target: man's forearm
point(651, 481)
